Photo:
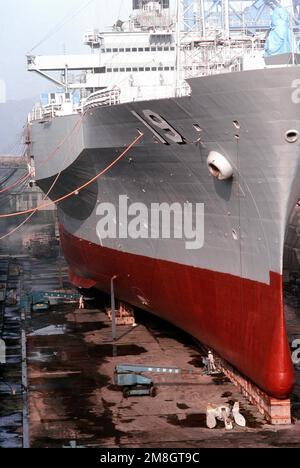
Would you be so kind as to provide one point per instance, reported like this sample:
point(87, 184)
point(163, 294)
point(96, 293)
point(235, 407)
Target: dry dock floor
point(72, 397)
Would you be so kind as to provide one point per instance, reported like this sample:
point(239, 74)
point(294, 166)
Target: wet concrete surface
point(11, 390)
point(72, 396)
point(293, 327)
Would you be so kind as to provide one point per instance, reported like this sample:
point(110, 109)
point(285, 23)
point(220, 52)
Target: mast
point(178, 46)
point(226, 18)
point(288, 5)
point(202, 12)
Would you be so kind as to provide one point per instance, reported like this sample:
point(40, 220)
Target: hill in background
point(13, 117)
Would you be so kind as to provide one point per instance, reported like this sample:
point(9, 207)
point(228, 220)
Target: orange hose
point(51, 155)
point(15, 184)
point(79, 189)
point(17, 228)
point(62, 142)
point(32, 214)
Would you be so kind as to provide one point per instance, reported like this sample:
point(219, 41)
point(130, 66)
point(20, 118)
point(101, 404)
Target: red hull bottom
point(242, 320)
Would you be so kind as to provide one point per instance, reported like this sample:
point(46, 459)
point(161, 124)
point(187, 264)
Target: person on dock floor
point(81, 303)
point(211, 362)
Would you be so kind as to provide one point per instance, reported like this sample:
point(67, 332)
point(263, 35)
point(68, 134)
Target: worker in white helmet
point(211, 362)
point(81, 303)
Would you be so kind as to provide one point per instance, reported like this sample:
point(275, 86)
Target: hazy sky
point(24, 23)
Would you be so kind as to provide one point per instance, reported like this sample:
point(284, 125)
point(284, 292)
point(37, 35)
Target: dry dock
point(72, 399)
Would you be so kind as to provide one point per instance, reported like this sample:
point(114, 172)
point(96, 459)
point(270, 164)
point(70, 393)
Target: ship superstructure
point(151, 55)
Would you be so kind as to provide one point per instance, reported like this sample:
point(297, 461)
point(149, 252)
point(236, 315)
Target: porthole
point(292, 136)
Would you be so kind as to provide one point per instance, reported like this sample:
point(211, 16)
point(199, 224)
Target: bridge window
point(99, 70)
point(137, 49)
point(140, 69)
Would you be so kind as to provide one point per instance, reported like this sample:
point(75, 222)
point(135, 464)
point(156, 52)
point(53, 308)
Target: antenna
point(178, 44)
point(226, 18)
point(202, 12)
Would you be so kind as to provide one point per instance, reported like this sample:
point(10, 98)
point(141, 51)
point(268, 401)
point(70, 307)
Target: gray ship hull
point(227, 294)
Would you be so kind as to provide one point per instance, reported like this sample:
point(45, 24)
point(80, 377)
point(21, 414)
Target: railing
point(44, 112)
point(110, 97)
point(102, 98)
point(183, 90)
point(36, 114)
point(212, 58)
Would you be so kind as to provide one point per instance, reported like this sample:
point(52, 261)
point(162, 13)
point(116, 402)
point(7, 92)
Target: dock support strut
point(277, 412)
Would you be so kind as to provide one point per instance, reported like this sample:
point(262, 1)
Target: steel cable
point(71, 194)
